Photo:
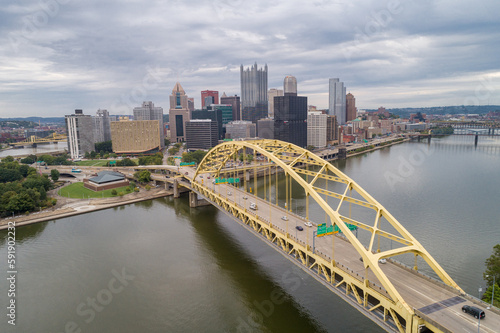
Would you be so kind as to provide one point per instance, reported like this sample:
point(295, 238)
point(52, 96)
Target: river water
point(160, 266)
point(39, 150)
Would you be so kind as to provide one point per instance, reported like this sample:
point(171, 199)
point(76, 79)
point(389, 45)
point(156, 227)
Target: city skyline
point(393, 54)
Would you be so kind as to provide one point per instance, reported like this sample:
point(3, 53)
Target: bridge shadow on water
point(256, 286)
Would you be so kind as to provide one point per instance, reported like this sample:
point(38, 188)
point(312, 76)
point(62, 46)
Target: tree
point(43, 193)
point(196, 156)
point(167, 142)
point(23, 169)
point(104, 147)
point(54, 174)
point(113, 192)
point(493, 266)
point(143, 176)
point(30, 159)
point(8, 159)
point(9, 175)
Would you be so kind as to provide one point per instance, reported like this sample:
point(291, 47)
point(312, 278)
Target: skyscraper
point(102, 129)
point(270, 96)
point(316, 129)
point(235, 103)
point(148, 111)
point(209, 97)
point(337, 100)
point(253, 93)
point(80, 133)
point(290, 119)
point(290, 84)
point(350, 107)
point(179, 113)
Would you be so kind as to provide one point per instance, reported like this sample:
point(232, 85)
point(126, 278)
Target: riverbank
point(78, 206)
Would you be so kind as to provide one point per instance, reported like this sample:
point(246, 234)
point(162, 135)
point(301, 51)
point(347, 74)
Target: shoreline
point(85, 205)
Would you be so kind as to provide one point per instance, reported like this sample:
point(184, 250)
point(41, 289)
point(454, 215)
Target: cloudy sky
point(58, 55)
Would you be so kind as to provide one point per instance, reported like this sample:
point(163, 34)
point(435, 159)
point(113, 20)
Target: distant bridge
point(34, 140)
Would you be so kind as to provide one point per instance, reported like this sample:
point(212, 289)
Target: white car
point(308, 224)
point(284, 218)
point(382, 261)
point(229, 193)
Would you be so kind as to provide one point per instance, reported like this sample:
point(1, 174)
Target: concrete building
point(179, 113)
point(80, 134)
point(214, 115)
point(316, 129)
point(134, 137)
point(337, 100)
point(265, 128)
point(254, 101)
point(240, 130)
point(290, 84)
point(148, 111)
point(351, 112)
point(270, 96)
point(235, 104)
point(201, 134)
point(209, 97)
point(332, 131)
point(102, 127)
point(191, 104)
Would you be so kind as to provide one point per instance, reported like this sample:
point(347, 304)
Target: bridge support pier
point(177, 194)
point(475, 139)
point(195, 202)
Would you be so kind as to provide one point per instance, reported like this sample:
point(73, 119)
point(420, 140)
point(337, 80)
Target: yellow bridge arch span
point(310, 172)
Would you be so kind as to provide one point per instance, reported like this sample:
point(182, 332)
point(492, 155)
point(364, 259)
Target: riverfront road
point(432, 299)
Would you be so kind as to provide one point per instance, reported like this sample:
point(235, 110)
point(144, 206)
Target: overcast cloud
point(58, 55)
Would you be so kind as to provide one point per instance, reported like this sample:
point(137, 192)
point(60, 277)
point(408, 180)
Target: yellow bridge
point(357, 265)
point(33, 140)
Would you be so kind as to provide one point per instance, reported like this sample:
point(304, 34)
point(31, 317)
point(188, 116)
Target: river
point(39, 150)
point(160, 266)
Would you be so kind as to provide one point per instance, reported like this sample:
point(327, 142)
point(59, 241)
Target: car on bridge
point(473, 311)
point(253, 206)
point(308, 224)
point(299, 228)
point(284, 218)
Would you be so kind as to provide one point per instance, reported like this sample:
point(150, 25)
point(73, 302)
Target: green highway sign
point(227, 180)
point(188, 163)
point(324, 230)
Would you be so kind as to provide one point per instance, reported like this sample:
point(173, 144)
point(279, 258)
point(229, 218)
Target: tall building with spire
point(253, 93)
point(337, 100)
point(179, 114)
point(350, 107)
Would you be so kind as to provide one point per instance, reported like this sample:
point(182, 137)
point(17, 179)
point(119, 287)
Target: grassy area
point(77, 191)
point(99, 162)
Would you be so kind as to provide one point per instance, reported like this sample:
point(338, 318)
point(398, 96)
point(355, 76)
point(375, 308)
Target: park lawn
point(100, 163)
point(77, 191)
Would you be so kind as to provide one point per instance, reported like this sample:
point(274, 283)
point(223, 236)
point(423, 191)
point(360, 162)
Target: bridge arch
point(296, 163)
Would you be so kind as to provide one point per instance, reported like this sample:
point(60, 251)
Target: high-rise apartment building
point(337, 100)
point(227, 111)
point(350, 101)
point(179, 113)
point(253, 93)
point(148, 111)
point(270, 97)
point(290, 84)
point(80, 133)
point(209, 97)
point(316, 129)
point(201, 134)
point(332, 130)
point(102, 129)
point(235, 104)
point(134, 137)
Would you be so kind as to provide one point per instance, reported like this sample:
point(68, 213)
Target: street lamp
point(493, 291)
